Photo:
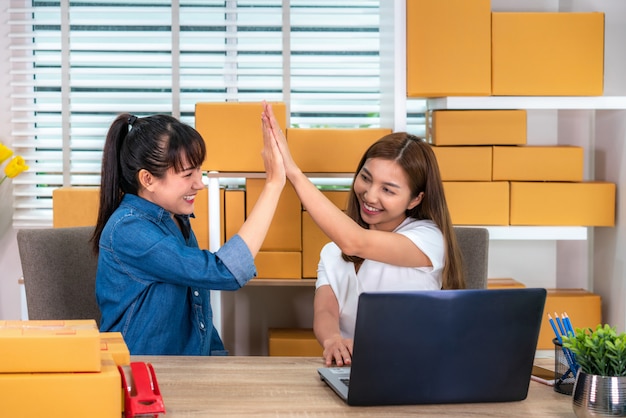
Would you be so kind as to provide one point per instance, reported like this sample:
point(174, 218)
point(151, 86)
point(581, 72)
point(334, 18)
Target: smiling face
point(175, 192)
point(382, 190)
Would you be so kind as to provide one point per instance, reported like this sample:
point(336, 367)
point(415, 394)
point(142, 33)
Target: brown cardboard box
point(478, 202)
point(75, 206)
point(113, 343)
point(279, 265)
point(234, 211)
point(285, 233)
point(63, 394)
point(200, 221)
point(504, 283)
point(476, 127)
point(49, 346)
point(448, 48)
point(538, 163)
point(233, 136)
point(563, 204)
point(331, 150)
point(583, 308)
point(464, 163)
point(547, 54)
point(293, 342)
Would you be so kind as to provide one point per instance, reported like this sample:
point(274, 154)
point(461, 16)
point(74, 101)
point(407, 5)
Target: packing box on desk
point(293, 342)
point(538, 163)
point(464, 163)
point(63, 395)
point(563, 204)
point(49, 346)
point(279, 264)
point(547, 54)
point(75, 206)
point(448, 48)
point(583, 308)
point(331, 150)
point(478, 202)
point(233, 135)
point(504, 283)
point(476, 127)
point(113, 343)
point(285, 232)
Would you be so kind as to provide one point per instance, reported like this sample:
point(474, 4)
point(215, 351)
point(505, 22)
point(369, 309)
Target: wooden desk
point(290, 386)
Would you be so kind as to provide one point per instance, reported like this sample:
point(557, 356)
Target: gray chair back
point(59, 271)
point(474, 245)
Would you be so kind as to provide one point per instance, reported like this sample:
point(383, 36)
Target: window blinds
point(75, 65)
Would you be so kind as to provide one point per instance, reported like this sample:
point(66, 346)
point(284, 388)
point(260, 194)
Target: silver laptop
point(446, 346)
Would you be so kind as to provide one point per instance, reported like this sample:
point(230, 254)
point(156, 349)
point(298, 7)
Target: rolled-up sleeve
point(237, 257)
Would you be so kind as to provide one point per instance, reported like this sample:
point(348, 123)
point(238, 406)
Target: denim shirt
point(153, 284)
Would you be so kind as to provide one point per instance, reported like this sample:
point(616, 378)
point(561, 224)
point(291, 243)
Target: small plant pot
point(599, 396)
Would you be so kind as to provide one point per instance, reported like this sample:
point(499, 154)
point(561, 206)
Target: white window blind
point(76, 64)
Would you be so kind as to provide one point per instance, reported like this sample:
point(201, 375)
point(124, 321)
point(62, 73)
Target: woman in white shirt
point(395, 235)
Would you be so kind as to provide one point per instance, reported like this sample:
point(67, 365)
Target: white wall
point(10, 268)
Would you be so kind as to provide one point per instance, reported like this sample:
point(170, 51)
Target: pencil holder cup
point(564, 377)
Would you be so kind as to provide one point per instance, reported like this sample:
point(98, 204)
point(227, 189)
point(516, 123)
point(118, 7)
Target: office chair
point(474, 245)
point(59, 271)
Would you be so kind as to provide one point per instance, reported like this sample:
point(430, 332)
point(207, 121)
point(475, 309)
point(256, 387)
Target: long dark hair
point(154, 143)
point(418, 161)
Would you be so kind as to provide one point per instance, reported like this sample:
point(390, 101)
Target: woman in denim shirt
point(153, 282)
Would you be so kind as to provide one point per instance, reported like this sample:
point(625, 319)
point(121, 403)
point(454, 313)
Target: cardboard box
point(504, 283)
point(200, 220)
point(464, 163)
point(234, 211)
point(563, 204)
point(49, 346)
point(583, 308)
point(538, 163)
point(331, 150)
point(233, 135)
point(313, 240)
point(448, 48)
point(285, 233)
point(62, 395)
point(75, 206)
point(293, 342)
point(478, 202)
point(113, 344)
point(547, 54)
point(476, 127)
point(279, 265)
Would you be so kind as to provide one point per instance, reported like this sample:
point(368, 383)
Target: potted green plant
point(600, 388)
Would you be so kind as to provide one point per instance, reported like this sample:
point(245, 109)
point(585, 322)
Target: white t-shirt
point(376, 276)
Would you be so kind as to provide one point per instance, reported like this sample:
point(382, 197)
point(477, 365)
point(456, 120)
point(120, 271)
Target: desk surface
point(290, 386)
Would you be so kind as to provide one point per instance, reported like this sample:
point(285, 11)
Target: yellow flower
point(5, 152)
point(15, 167)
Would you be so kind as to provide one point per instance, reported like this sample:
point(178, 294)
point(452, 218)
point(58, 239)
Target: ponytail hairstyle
point(418, 161)
point(154, 143)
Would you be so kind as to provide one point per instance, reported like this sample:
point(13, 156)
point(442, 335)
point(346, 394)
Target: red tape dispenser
point(142, 397)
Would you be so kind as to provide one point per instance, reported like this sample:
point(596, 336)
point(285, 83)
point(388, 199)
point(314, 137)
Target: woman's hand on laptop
point(338, 350)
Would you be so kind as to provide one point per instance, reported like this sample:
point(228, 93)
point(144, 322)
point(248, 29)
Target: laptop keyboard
point(345, 381)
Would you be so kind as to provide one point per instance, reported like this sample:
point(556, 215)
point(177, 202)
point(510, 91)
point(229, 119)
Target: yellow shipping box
point(63, 395)
point(538, 163)
point(478, 202)
point(233, 136)
point(200, 220)
point(583, 308)
point(279, 264)
point(75, 206)
point(49, 346)
point(331, 150)
point(563, 204)
point(464, 163)
point(547, 54)
point(295, 342)
point(504, 283)
point(113, 344)
point(285, 233)
point(234, 211)
point(476, 127)
point(448, 48)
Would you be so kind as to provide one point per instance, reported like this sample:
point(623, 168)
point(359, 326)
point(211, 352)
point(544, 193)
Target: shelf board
point(544, 233)
point(528, 102)
point(281, 282)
